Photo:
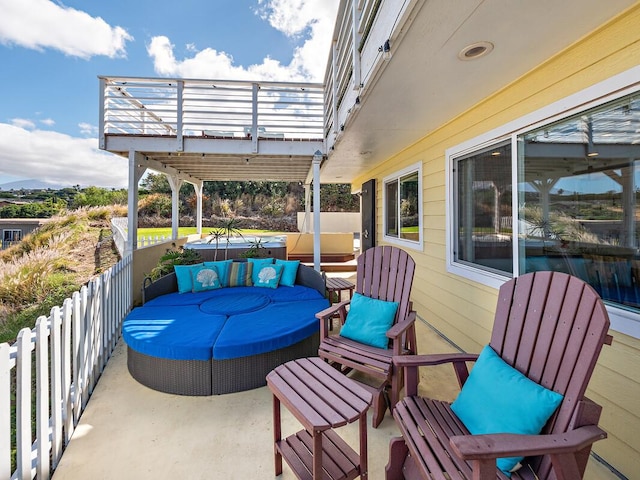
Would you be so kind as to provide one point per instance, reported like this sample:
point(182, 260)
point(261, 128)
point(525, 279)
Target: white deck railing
point(48, 374)
point(210, 108)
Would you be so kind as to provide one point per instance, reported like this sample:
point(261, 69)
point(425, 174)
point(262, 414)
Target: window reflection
point(484, 218)
point(578, 199)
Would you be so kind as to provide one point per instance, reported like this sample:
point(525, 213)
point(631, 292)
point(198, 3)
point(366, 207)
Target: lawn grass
point(184, 231)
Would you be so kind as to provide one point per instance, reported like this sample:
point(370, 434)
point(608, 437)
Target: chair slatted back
point(551, 326)
point(386, 273)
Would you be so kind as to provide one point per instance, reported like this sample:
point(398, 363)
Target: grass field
point(184, 231)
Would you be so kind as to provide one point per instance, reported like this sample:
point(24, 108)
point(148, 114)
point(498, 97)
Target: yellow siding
point(463, 310)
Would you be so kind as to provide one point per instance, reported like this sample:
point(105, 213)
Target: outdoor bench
point(222, 340)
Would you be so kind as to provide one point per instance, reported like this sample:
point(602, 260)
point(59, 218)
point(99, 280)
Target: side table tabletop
point(337, 285)
point(321, 399)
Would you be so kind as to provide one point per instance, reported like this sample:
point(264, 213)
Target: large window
point(576, 182)
point(578, 195)
point(402, 200)
point(483, 214)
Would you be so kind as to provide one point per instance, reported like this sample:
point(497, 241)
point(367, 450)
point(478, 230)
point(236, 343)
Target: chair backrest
point(386, 273)
point(551, 326)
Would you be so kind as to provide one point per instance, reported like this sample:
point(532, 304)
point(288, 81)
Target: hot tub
point(274, 246)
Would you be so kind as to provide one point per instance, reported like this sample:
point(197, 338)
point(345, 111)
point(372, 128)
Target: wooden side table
point(338, 285)
point(321, 399)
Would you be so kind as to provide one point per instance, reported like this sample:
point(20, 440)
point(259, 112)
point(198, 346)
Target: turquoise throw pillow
point(497, 398)
point(223, 267)
point(268, 276)
point(183, 275)
point(289, 272)
point(258, 263)
point(368, 320)
point(205, 278)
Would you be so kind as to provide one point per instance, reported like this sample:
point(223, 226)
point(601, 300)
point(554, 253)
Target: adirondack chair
point(383, 273)
point(549, 326)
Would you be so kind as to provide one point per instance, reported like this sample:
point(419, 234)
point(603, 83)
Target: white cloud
point(48, 122)
point(39, 24)
point(88, 130)
point(23, 123)
point(292, 17)
point(58, 158)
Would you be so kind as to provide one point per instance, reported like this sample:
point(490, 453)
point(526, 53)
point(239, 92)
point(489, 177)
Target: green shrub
point(184, 256)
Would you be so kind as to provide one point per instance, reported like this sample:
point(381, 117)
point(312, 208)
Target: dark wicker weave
point(246, 373)
point(214, 377)
point(182, 377)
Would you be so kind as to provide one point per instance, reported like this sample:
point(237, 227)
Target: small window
point(483, 218)
point(10, 236)
point(402, 199)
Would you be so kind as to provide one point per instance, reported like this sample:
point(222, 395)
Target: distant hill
point(30, 184)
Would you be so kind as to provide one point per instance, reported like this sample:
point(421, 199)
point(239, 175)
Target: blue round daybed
point(224, 340)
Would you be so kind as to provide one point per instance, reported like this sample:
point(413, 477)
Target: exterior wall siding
point(463, 310)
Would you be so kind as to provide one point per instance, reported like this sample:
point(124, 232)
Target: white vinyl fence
point(49, 373)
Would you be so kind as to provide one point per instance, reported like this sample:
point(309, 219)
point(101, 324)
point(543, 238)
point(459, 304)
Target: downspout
point(198, 190)
point(317, 159)
point(307, 208)
point(175, 184)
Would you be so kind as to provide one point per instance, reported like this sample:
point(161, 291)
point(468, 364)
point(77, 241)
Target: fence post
point(23, 405)
point(42, 399)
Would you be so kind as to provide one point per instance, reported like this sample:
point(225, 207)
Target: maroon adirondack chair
point(383, 273)
point(549, 326)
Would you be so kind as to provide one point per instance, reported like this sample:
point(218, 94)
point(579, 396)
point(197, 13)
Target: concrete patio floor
point(129, 431)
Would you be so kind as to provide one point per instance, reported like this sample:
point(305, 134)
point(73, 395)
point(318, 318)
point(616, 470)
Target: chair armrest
point(328, 313)
point(433, 359)
point(399, 328)
point(485, 447)
point(410, 363)
point(332, 310)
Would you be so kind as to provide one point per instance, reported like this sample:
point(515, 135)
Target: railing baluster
point(56, 374)
point(23, 405)
point(66, 365)
point(43, 445)
point(5, 410)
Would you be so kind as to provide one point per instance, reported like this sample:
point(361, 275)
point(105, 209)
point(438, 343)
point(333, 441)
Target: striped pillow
point(240, 274)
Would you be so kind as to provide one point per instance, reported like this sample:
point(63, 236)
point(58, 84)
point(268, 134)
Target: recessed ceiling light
point(475, 50)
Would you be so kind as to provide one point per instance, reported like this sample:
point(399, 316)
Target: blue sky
point(52, 52)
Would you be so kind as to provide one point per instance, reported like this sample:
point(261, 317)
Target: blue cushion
point(258, 263)
point(276, 326)
point(244, 300)
point(183, 275)
point(268, 276)
point(176, 333)
point(240, 274)
point(223, 270)
point(368, 320)
point(497, 398)
point(204, 278)
point(289, 273)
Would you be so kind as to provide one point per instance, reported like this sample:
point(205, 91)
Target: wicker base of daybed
point(214, 377)
point(182, 377)
point(246, 373)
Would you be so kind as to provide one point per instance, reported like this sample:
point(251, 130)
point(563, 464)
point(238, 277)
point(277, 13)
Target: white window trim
point(403, 242)
point(608, 90)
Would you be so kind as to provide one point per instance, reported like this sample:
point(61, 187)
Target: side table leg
point(277, 434)
point(364, 473)
point(317, 455)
